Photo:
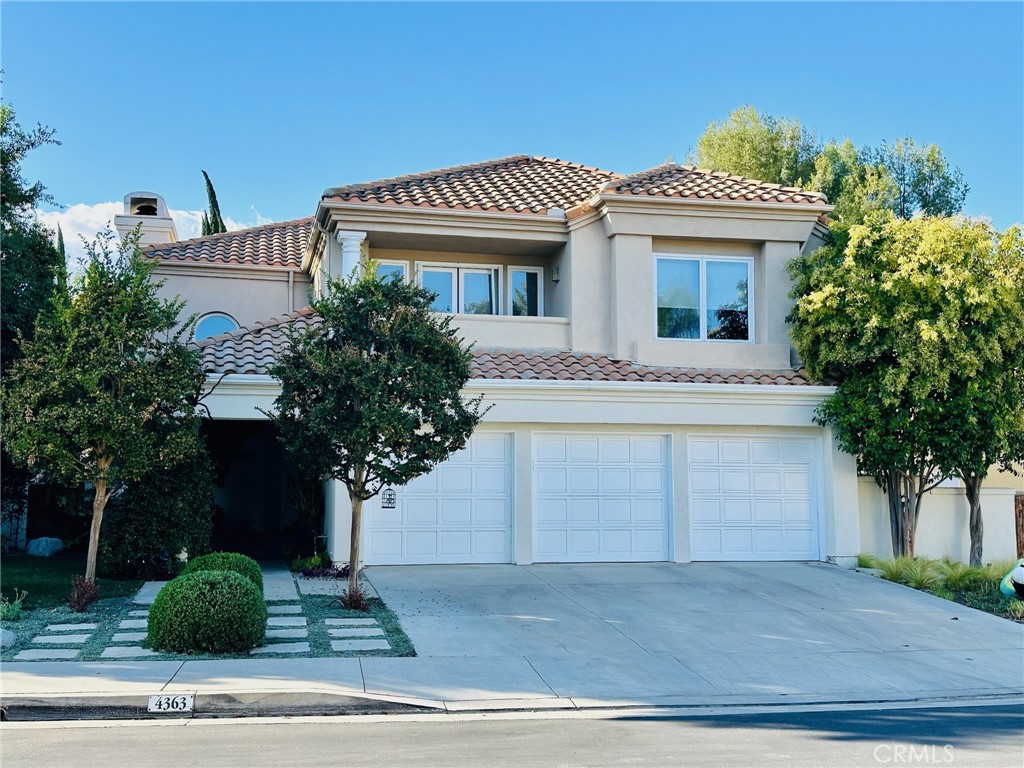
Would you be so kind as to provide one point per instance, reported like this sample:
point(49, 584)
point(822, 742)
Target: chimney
point(149, 210)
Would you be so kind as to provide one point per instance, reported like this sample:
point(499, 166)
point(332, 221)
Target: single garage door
point(600, 498)
point(753, 498)
point(461, 512)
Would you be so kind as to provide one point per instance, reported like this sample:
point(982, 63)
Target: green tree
point(106, 389)
point(371, 396)
point(856, 187)
point(924, 181)
point(213, 222)
point(777, 150)
point(29, 262)
point(986, 404)
point(903, 314)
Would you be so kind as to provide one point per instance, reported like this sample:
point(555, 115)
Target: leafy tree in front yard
point(986, 405)
point(106, 389)
point(372, 396)
point(905, 316)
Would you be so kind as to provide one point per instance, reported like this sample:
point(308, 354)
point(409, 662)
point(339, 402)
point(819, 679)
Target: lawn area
point(48, 579)
point(952, 580)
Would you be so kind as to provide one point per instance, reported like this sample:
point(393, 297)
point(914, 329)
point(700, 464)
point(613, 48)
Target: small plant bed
point(952, 580)
point(315, 626)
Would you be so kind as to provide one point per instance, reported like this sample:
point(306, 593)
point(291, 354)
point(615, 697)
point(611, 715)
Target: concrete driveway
point(673, 634)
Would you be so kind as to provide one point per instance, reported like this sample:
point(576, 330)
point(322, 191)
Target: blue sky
point(279, 101)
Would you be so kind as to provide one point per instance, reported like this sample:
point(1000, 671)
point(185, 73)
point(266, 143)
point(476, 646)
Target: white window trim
point(539, 271)
point(215, 314)
point(395, 263)
point(702, 260)
point(456, 268)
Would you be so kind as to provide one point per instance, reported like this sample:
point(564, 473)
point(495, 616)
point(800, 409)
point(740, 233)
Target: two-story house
point(630, 332)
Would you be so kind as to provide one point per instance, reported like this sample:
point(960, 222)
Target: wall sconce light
point(556, 275)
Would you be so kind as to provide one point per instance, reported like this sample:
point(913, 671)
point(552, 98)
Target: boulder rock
point(7, 638)
point(44, 547)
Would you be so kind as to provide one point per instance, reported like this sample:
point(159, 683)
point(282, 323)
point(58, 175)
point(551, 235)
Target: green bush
point(227, 561)
point(208, 612)
point(153, 520)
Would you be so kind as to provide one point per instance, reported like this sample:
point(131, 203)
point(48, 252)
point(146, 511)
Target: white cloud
point(87, 219)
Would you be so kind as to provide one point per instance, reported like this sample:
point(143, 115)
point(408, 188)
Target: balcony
point(514, 332)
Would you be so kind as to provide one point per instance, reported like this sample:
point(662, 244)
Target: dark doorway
point(262, 502)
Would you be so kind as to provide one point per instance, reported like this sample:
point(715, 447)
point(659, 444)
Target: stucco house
point(629, 330)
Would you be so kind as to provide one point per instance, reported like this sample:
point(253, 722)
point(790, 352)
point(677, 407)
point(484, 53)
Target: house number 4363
point(183, 702)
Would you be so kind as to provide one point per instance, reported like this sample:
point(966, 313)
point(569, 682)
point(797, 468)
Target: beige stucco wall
point(942, 528)
point(249, 296)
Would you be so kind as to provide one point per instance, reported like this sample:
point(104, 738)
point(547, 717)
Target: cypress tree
point(214, 223)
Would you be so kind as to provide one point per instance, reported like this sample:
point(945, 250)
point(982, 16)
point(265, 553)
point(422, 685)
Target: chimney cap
point(142, 203)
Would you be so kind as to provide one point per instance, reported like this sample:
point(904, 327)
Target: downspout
point(291, 290)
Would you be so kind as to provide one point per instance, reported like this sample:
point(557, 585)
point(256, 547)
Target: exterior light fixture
point(556, 275)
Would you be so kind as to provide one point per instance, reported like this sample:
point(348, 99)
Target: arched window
point(214, 324)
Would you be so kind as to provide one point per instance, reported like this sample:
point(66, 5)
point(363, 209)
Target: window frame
point(539, 271)
point(206, 315)
point(456, 269)
point(702, 259)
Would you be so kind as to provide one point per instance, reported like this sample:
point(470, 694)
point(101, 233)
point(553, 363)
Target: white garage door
point(461, 512)
point(600, 498)
point(753, 498)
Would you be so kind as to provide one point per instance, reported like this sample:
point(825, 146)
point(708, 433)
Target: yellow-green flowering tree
point(919, 322)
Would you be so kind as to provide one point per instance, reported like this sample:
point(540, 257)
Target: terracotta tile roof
point(254, 349)
point(574, 366)
point(688, 181)
point(517, 184)
point(279, 245)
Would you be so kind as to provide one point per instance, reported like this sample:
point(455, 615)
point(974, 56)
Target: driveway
point(668, 633)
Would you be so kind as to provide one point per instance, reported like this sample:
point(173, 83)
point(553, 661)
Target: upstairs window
point(214, 324)
point(525, 286)
point(462, 290)
point(394, 270)
point(703, 298)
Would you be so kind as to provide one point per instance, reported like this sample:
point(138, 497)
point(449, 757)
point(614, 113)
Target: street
point(966, 736)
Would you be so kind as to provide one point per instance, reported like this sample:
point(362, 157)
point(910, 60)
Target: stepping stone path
point(287, 629)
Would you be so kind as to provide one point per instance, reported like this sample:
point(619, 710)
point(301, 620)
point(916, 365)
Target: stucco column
point(337, 520)
point(351, 252)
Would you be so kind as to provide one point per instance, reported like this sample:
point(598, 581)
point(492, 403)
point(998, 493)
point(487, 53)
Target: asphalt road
point(980, 736)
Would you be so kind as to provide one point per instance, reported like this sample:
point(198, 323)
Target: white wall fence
point(942, 528)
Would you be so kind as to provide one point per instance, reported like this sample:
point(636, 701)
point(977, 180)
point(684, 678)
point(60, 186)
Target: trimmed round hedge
point(227, 561)
point(207, 612)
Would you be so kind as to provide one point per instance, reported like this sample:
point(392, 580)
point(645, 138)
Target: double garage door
point(604, 497)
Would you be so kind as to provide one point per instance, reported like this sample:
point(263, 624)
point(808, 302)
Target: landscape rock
point(7, 638)
point(44, 547)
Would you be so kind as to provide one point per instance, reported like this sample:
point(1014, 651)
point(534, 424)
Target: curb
point(28, 708)
point(206, 705)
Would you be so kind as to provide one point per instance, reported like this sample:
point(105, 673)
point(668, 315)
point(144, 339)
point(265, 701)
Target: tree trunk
point(904, 501)
point(99, 503)
point(354, 553)
point(972, 486)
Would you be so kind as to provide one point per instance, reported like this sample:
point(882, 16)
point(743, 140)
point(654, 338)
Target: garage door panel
point(582, 449)
point(584, 480)
point(615, 480)
point(461, 512)
point(615, 450)
point(763, 506)
point(602, 499)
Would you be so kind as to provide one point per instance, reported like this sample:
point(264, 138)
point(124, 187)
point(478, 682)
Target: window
point(525, 285)
point(464, 290)
point(214, 324)
point(391, 269)
point(700, 297)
